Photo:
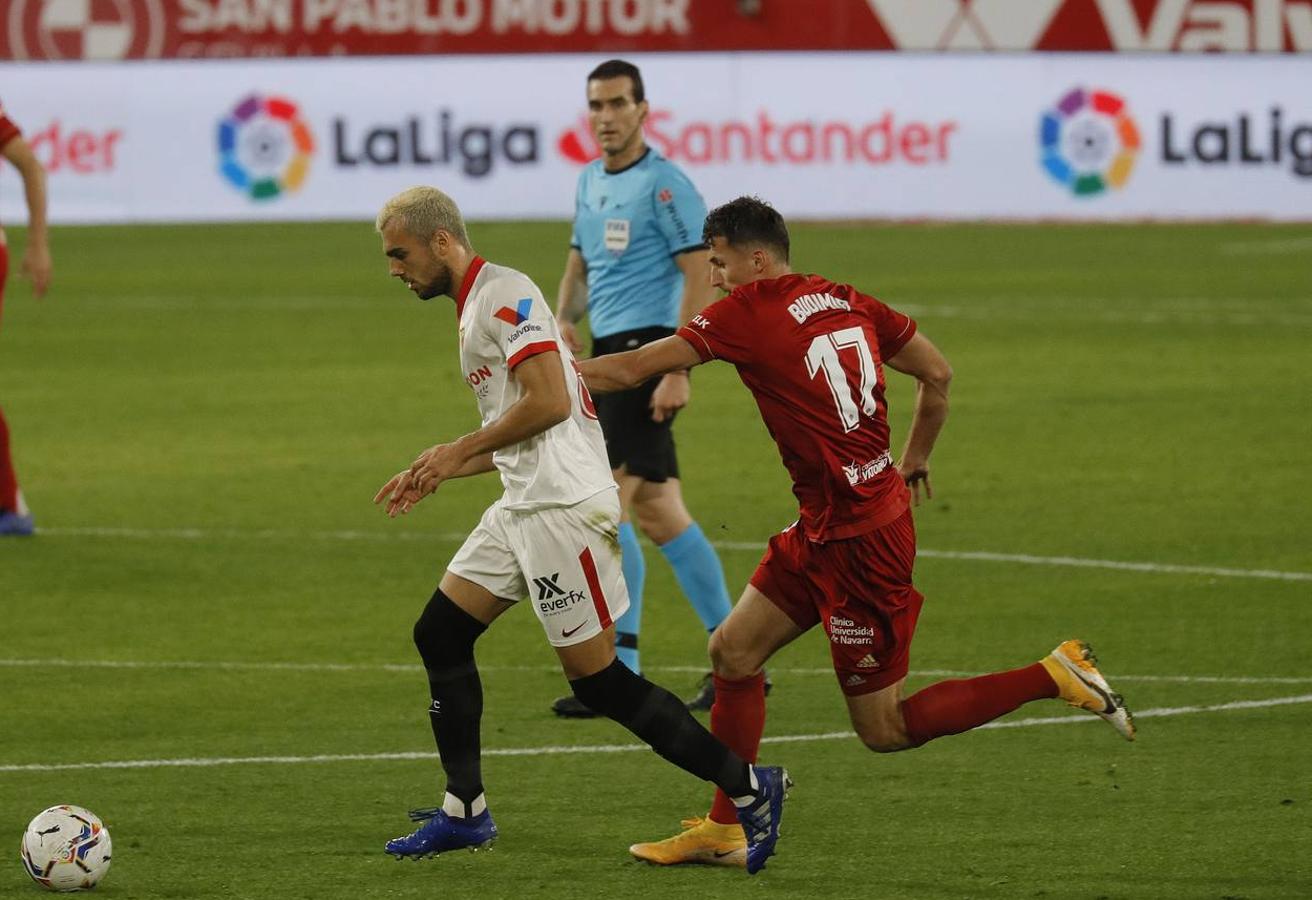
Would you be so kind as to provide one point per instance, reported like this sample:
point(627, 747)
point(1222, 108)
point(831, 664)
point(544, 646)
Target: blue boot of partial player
point(441, 833)
point(14, 525)
point(760, 821)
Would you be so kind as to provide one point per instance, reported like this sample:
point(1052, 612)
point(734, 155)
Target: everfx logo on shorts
point(552, 597)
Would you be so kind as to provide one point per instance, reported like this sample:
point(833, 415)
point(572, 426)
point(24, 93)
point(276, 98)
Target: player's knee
point(661, 515)
point(731, 658)
point(614, 692)
point(444, 634)
point(657, 524)
point(644, 520)
point(883, 744)
point(884, 736)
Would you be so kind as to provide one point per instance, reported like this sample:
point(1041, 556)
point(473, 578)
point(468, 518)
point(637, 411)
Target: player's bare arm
point(572, 299)
point(622, 371)
point(922, 360)
point(675, 389)
point(36, 264)
point(544, 403)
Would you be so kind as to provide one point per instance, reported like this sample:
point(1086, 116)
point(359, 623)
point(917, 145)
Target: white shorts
point(566, 560)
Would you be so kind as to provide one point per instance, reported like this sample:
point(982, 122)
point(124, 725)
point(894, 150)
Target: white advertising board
point(851, 135)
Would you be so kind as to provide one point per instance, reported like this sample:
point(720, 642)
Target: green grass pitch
point(201, 416)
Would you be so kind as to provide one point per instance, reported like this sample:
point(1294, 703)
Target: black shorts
point(643, 447)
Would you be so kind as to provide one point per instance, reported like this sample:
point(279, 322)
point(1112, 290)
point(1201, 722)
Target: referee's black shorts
point(643, 447)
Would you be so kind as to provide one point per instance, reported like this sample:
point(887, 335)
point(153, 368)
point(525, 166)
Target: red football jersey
point(8, 130)
point(811, 352)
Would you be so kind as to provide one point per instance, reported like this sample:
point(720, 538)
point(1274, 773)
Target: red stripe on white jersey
point(594, 585)
point(524, 353)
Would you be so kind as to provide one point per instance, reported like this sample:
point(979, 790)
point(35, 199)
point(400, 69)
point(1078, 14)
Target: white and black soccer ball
point(66, 848)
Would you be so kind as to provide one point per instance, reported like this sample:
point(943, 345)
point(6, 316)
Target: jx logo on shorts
point(552, 597)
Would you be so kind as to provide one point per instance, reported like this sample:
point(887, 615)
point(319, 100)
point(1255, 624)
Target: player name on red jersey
point(808, 304)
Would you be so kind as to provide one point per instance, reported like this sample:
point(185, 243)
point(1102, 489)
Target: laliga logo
point(1089, 142)
point(85, 29)
point(264, 147)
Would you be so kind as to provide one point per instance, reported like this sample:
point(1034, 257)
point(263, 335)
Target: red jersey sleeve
point(8, 130)
point(717, 333)
point(892, 328)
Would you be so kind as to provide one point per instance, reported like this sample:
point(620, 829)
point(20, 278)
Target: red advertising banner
point(190, 29)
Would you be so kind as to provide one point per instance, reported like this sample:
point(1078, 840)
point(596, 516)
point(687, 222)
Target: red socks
point(951, 707)
point(737, 719)
point(948, 707)
point(8, 480)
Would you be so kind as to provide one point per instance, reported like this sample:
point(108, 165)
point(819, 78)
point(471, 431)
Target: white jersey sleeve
point(505, 320)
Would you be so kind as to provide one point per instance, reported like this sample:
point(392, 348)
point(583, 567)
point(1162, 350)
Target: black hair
point(748, 220)
point(618, 68)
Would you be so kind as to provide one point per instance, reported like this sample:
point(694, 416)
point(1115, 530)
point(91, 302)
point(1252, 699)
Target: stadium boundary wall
point(822, 135)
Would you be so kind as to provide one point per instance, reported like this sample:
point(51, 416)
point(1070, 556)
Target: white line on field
point(1269, 246)
point(1184, 309)
point(1114, 564)
point(1204, 316)
point(232, 665)
point(204, 762)
point(757, 546)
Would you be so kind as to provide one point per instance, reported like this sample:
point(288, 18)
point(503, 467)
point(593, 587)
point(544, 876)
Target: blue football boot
point(14, 525)
point(441, 833)
point(760, 821)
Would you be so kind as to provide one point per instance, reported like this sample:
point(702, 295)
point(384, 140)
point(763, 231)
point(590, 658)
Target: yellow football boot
point(701, 841)
point(1075, 669)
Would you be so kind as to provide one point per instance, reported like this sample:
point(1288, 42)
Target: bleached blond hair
point(422, 211)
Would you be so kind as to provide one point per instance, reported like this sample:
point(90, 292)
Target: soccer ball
point(66, 848)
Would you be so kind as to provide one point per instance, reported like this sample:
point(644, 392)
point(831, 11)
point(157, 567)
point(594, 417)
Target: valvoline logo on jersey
point(264, 147)
point(1089, 142)
point(515, 316)
point(885, 138)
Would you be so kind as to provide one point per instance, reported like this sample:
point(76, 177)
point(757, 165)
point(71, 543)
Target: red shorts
point(859, 589)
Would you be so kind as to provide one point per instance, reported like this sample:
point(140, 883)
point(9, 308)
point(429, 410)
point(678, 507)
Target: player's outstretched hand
point(399, 492)
point(916, 477)
point(36, 266)
point(435, 465)
point(670, 396)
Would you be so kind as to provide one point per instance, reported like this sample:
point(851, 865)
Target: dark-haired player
point(813, 352)
point(14, 516)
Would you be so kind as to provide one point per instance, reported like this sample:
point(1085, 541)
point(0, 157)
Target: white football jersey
point(504, 320)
